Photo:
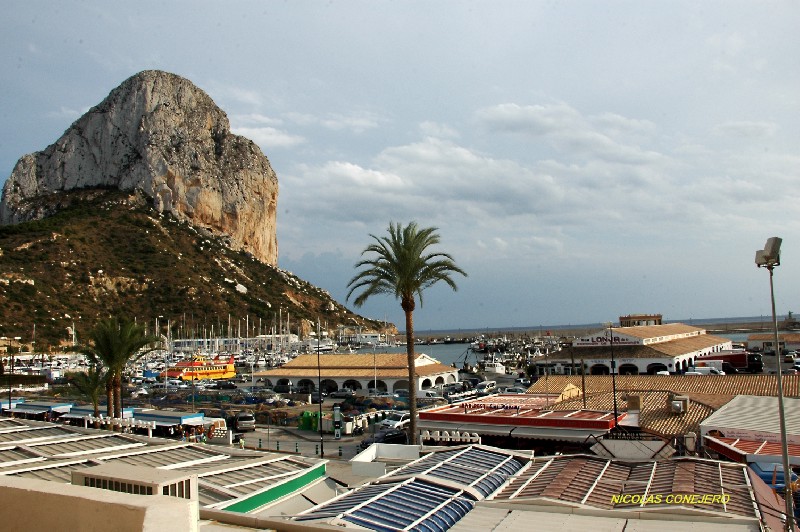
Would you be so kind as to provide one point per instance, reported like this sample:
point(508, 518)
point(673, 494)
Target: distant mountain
point(148, 206)
point(160, 135)
point(108, 252)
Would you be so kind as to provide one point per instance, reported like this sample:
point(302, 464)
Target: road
point(306, 443)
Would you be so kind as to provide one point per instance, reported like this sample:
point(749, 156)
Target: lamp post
point(319, 386)
point(613, 372)
point(769, 258)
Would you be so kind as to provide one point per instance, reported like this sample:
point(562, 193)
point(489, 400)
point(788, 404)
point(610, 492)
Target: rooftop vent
point(137, 480)
point(678, 404)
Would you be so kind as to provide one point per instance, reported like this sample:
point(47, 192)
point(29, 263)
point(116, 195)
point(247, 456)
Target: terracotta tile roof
point(709, 385)
point(786, 337)
point(654, 331)
point(681, 346)
point(654, 416)
point(589, 481)
point(706, 392)
point(356, 366)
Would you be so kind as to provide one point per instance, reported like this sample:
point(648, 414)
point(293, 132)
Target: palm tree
point(402, 266)
point(115, 343)
point(92, 383)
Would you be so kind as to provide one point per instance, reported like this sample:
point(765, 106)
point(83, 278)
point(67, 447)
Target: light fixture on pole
point(769, 258)
point(613, 372)
point(319, 386)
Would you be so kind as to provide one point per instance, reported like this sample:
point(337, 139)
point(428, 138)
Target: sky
point(580, 160)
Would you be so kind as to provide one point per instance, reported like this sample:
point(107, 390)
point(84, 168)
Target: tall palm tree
point(115, 343)
point(401, 265)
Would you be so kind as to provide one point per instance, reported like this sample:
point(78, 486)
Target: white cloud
point(269, 137)
point(356, 123)
point(747, 129)
point(434, 129)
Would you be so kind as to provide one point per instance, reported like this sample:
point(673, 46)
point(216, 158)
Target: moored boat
point(200, 368)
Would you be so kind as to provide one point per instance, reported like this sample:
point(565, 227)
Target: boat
point(201, 367)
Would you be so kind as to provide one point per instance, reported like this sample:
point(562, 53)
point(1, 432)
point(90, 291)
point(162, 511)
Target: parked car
point(225, 385)
point(396, 420)
point(522, 382)
point(515, 389)
point(245, 421)
point(343, 393)
point(395, 436)
point(429, 394)
point(401, 392)
point(317, 398)
point(282, 388)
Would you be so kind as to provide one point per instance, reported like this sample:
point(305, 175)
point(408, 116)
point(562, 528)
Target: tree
point(402, 265)
point(92, 383)
point(115, 343)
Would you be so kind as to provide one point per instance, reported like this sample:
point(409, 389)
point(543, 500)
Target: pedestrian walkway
point(303, 442)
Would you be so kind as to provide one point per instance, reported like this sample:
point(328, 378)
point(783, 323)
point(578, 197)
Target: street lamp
point(613, 373)
point(319, 387)
point(769, 258)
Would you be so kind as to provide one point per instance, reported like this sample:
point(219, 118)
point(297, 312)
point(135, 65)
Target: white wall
point(41, 506)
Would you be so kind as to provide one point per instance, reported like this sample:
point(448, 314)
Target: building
point(517, 421)
point(478, 487)
point(644, 349)
point(360, 372)
point(634, 320)
point(101, 480)
point(765, 342)
point(747, 430)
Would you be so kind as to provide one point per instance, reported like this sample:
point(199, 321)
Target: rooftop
point(717, 389)
point(358, 365)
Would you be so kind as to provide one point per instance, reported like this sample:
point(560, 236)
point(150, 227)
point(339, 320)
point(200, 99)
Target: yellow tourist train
point(201, 368)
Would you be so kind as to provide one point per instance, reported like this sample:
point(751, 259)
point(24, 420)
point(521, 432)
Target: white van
point(704, 371)
point(486, 387)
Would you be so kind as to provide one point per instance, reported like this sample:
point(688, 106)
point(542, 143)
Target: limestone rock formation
point(159, 134)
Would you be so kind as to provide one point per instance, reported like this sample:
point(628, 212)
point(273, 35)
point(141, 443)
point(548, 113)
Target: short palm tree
point(92, 383)
point(115, 343)
point(402, 265)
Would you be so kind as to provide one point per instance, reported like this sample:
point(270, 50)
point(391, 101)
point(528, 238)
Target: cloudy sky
point(582, 160)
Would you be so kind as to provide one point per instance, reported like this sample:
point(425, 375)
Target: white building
point(385, 372)
point(636, 350)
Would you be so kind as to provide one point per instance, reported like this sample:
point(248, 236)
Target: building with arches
point(638, 350)
point(360, 372)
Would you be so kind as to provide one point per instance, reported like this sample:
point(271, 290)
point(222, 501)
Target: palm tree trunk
point(412, 375)
point(117, 396)
point(109, 398)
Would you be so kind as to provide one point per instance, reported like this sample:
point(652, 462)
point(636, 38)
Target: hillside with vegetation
point(105, 253)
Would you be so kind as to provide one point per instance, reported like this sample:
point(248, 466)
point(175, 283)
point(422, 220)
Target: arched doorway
point(654, 368)
point(629, 369)
point(426, 383)
point(329, 386)
point(352, 384)
point(400, 385)
point(377, 385)
point(599, 369)
point(306, 386)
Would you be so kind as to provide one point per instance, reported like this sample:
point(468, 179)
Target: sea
point(458, 353)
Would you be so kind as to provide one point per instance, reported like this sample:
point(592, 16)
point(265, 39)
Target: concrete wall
point(38, 505)
point(366, 462)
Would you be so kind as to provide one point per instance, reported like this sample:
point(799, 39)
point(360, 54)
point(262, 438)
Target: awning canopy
point(485, 429)
point(31, 411)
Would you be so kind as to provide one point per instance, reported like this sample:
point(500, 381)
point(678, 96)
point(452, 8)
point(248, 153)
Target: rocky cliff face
point(161, 135)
